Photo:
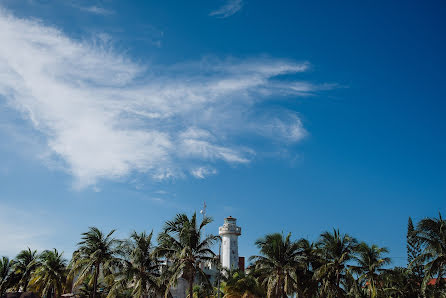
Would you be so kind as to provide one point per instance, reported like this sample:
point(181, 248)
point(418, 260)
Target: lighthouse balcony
point(230, 230)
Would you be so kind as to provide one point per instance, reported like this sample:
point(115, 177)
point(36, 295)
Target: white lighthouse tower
point(229, 233)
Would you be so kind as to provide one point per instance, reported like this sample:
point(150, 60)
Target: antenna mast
point(203, 211)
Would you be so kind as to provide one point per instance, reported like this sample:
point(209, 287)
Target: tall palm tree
point(183, 244)
point(165, 278)
point(140, 267)
point(86, 288)
point(6, 271)
point(431, 232)
point(336, 250)
point(97, 254)
point(238, 284)
point(308, 261)
point(25, 264)
point(50, 276)
point(352, 287)
point(398, 282)
point(370, 261)
point(276, 264)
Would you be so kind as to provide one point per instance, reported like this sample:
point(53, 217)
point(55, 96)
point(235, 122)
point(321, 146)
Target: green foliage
point(336, 250)
point(86, 288)
point(238, 284)
point(183, 244)
point(139, 267)
point(202, 291)
point(97, 254)
point(369, 261)
point(5, 274)
point(414, 251)
point(276, 264)
point(50, 276)
point(25, 263)
point(398, 282)
point(335, 266)
point(431, 233)
point(309, 260)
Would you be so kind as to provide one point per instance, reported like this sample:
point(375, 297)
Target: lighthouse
point(229, 233)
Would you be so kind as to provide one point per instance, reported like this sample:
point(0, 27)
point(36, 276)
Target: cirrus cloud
point(230, 8)
point(105, 116)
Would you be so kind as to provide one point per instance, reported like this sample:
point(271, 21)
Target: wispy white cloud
point(105, 116)
point(287, 128)
point(97, 10)
point(230, 8)
point(203, 172)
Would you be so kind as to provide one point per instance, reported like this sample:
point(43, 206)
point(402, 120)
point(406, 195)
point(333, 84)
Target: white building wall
point(180, 289)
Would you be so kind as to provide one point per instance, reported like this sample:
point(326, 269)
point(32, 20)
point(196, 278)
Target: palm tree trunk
point(95, 280)
point(372, 288)
point(282, 287)
point(191, 287)
point(338, 281)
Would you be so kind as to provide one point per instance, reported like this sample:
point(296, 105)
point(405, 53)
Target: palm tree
point(86, 288)
point(277, 264)
point(140, 266)
point(336, 250)
point(24, 265)
point(398, 282)
point(50, 276)
point(309, 260)
point(164, 280)
point(183, 244)
point(5, 274)
point(203, 290)
point(431, 232)
point(352, 287)
point(370, 261)
point(97, 253)
point(238, 284)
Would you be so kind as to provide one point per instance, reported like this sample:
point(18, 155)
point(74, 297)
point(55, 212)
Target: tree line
point(336, 265)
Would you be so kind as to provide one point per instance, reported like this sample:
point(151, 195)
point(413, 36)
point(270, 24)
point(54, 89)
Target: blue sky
point(293, 116)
